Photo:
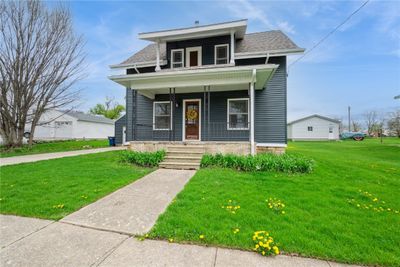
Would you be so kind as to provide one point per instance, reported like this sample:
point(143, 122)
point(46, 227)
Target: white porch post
point(158, 57)
point(252, 94)
point(232, 47)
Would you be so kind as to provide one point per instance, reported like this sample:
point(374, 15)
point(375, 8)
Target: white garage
point(56, 124)
point(313, 128)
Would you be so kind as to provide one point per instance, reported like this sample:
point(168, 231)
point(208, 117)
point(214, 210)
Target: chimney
point(196, 23)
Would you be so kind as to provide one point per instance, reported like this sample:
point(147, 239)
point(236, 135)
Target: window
point(310, 128)
point(162, 115)
point(221, 54)
point(330, 129)
point(62, 123)
point(176, 58)
point(238, 114)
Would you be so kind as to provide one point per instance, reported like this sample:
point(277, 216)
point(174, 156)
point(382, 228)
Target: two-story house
point(213, 85)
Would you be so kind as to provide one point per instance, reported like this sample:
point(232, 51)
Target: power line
point(330, 33)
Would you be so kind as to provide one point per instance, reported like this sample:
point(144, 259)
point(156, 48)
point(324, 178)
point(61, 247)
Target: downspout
point(252, 94)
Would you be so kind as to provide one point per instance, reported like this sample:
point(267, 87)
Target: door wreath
point(191, 114)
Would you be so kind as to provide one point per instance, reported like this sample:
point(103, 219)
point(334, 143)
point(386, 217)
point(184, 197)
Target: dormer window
point(176, 58)
point(221, 54)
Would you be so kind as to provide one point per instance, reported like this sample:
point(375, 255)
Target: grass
point(318, 221)
point(52, 189)
point(53, 146)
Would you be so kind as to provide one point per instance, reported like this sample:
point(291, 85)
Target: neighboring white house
point(55, 124)
point(314, 127)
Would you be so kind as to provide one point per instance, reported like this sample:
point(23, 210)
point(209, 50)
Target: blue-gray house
point(213, 85)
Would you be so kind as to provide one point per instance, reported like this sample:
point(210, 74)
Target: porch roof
point(226, 78)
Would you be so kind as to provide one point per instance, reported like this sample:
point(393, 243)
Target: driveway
point(56, 155)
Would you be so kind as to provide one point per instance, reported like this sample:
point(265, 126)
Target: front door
point(192, 120)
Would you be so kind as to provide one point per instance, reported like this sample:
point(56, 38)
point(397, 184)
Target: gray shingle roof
point(253, 42)
point(89, 117)
point(316, 116)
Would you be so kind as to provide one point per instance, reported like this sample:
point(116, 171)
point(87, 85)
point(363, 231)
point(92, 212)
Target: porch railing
point(212, 131)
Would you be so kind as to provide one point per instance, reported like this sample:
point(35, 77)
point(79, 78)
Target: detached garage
point(314, 128)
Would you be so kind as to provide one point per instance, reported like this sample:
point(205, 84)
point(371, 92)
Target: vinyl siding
point(299, 130)
point(119, 124)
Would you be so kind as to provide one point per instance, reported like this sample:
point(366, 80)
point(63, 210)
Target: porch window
point(238, 114)
point(162, 115)
point(176, 58)
point(221, 54)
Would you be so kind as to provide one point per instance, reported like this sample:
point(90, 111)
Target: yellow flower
point(201, 236)
point(171, 240)
point(257, 246)
point(283, 212)
point(375, 199)
point(263, 253)
point(260, 243)
point(276, 250)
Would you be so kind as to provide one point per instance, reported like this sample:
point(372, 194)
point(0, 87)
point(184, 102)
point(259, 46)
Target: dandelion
point(201, 236)
point(171, 240)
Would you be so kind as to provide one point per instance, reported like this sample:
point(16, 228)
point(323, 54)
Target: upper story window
point(221, 54)
point(162, 115)
point(238, 114)
point(176, 58)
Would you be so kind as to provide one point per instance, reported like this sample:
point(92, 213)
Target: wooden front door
point(192, 120)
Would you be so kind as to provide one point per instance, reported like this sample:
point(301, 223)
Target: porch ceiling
point(194, 80)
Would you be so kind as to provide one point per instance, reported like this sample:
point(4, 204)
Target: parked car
point(357, 136)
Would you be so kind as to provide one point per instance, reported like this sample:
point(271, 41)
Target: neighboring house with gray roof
point(314, 128)
point(209, 84)
point(59, 124)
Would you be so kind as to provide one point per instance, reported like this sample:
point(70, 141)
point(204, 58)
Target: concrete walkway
point(34, 242)
point(135, 208)
point(56, 155)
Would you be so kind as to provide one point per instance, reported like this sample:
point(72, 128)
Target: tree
point(40, 60)
point(356, 126)
point(394, 122)
point(371, 121)
point(110, 109)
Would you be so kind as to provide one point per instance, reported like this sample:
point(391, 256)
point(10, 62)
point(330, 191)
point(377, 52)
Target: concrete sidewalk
point(34, 242)
point(135, 208)
point(56, 155)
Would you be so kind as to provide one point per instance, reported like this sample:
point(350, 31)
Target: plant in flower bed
point(289, 163)
point(264, 243)
point(276, 205)
point(371, 202)
point(145, 159)
point(232, 206)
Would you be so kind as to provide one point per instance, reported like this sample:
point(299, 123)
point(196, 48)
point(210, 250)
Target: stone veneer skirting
point(211, 147)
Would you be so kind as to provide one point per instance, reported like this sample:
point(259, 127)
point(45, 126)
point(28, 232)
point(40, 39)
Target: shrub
point(145, 159)
point(289, 163)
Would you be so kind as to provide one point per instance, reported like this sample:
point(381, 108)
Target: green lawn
point(52, 189)
point(53, 146)
point(318, 222)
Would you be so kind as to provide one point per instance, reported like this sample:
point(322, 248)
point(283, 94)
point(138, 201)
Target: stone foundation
point(270, 149)
point(239, 148)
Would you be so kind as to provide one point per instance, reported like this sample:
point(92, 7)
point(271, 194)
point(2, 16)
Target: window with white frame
point(238, 114)
point(176, 58)
point(162, 115)
point(309, 128)
point(221, 54)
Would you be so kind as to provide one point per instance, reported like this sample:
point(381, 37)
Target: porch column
point(158, 57)
point(232, 47)
point(252, 94)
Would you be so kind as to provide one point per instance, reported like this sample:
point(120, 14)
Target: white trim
point(198, 31)
point(184, 122)
point(252, 120)
point(154, 115)
point(199, 55)
point(227, 53)
point(172, 57)
point(232, 61)
point(227, 114)
point(138, 64)
point(271, 145)
point(158, 68)
point(277, 52)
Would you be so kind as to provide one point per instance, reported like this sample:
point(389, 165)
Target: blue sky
point(358, 66)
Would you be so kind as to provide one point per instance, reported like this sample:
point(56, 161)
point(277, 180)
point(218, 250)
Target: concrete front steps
point(183, 157)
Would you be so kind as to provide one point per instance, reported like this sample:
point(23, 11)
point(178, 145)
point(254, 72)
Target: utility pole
point(348, 109)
